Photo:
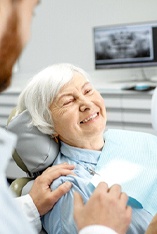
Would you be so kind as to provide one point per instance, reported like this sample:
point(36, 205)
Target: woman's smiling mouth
point(89, 118)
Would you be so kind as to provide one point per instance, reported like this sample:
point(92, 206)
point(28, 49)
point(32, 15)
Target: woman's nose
point(85, 104)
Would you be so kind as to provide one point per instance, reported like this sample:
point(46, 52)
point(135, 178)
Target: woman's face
point(78, 112)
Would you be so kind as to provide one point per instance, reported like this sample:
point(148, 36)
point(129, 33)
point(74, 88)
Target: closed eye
point(68, 102)
point(88, 91)
point(88, 88)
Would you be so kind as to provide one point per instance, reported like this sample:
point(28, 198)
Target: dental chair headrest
point(35, 149)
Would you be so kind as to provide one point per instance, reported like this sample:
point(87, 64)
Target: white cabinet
point(128, 109)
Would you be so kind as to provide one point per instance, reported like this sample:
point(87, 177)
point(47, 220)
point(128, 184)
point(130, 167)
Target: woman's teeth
point(90, 118)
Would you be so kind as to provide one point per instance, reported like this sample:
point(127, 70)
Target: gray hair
point(41, 91)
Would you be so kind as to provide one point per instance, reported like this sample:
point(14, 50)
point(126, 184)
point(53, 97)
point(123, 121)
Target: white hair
point(41, 91)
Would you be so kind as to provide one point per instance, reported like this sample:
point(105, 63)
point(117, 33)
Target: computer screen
point(123, 46)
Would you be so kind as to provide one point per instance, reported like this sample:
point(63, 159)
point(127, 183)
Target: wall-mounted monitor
point(123, 46)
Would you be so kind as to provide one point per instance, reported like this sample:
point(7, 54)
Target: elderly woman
point(64, 104)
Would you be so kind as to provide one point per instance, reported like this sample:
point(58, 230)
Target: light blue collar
point(78, 154)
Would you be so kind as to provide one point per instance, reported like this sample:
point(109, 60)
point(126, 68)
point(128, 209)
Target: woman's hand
point(43, 197)
point(106, 207)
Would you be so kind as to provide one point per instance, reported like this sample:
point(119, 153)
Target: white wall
point(62, 32)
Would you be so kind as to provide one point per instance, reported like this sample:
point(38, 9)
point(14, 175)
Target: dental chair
point(154, 110)
point(18, 184)
point(34, 151)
